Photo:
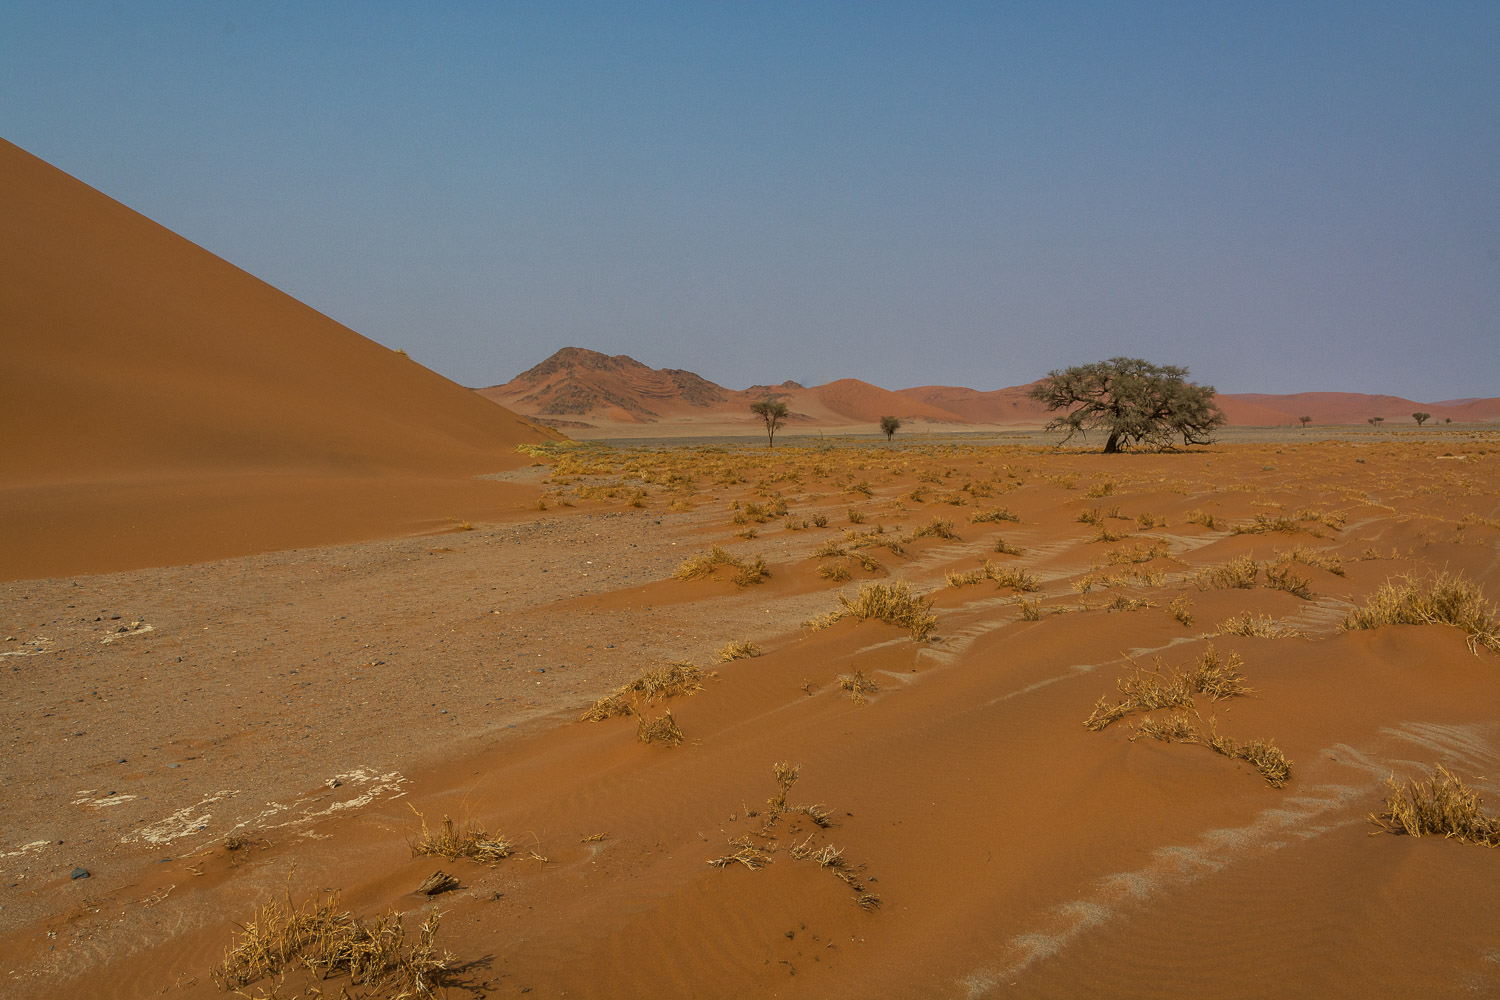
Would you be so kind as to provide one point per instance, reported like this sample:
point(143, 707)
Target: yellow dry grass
point(1236, 573)
point(740, 649)
point(662, 729)
point(857, 685)
point(328, 941)
point(1441, 807)
point(1442, 599)
point(452, 841)
point(936, 528)
point(893, 603)
point(1257, 626)
point(706, 564)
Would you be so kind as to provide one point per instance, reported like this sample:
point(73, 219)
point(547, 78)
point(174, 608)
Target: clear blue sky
point(1282, 196)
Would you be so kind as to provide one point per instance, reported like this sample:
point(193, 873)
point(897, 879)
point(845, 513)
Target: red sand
point(157, 395)
point(1012, 851)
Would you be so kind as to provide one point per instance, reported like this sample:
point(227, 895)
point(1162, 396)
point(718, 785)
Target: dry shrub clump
point(453, 842)
point(992, 516)
point(1440, 600)
point(1311, 557)
point(857, 685)
point(1444, 806)
point(894, 604)
point(1236, 573)
point(1182, 610)
point(1140, 552)
point(837, 572)
point(741, 649)
point(1258, 626)
point(1013, 578)
point(1203, 517)
point(663, 729)
point(1161, 686)
point(937, 528)
point(1177, 729)
point(704, 565)
point(328, 941)
point(1264, 523)
point(1280, 577)
point(671, 680)
point(1007, 549)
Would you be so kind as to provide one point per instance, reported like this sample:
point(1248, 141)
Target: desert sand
point(303, 708)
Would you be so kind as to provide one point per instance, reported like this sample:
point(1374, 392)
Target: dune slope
point(148, 381)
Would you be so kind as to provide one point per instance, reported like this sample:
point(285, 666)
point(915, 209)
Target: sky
point(1281, 196)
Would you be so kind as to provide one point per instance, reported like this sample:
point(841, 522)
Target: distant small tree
point(889, 426)
point(1447, 420)
point(1375, 422)
point(1132, 401)
point(1421, 418)
point(1305, 420)
point(773, 412)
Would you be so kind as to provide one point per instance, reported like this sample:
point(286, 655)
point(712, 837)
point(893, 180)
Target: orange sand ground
point(311, 700)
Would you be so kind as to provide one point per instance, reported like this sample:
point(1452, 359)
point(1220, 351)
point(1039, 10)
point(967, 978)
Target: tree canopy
point(1133, 402)
point(773, 412)
point(889, 426)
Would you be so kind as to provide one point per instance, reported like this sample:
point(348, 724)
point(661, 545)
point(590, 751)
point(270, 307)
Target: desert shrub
point(965, 579)
point(1442, 807)
point(1259, 626)
point(1103, 488)
point(1240, 573)
point(936, 528)
point(1311, 557)
point(1440, 600)
point(1146, 522)
point(1177, 729)
point(1279, 576)
point(740, 649)
point(855, 517)
point(453, 842)
point(662, 729)
point(671, 680)
point(992, 516)
point(1182, 610)
point(1161, 686)
point(1263, 523)
point(1140, 552)
point(837, 572)
point(892, 603)
point(1203, 517)
point(830, 549)
point(1091, 516)
point(704, 565)
point(1014, 578)
point(856, 685)
point(1267, 758)
point(1103, 534)
point(329, 941)
point(1007, 549)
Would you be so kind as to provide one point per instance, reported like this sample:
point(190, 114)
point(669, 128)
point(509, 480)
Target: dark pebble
point(79, 873)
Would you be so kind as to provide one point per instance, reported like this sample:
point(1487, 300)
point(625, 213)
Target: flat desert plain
point(929, 720)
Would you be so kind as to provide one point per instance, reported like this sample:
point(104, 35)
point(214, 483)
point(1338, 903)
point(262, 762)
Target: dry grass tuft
point(1140, 552)
point(857, 685)
point(1218, 678)
point(1177, 729)
point(1006, 549)
point(749, 855)
point(742, 649)
point(328, 942)
point(937, 528)
point(1182, 610)
point(453, 842)
point(1265, 757)
point(704, 565)
point(1236, 573)
point(1440, 600)
point(662, 729)
point(894, 604)
point(1123, 603)
point(1311, 557)
point(1443, 807)
point(1203, 517)
point(1280, 577)
point(1257, 626)
point(993, 516)
point(608, 707)
point(1161, 686)
point(671, 680)
point(1264, 523)
point(1031, 611)
point(837, 572)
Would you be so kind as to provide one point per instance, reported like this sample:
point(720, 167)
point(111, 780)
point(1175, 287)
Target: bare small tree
point(1421, 418)
point(773, 412)
point(1305, 420)
point(1375, 422)
point(889, 426)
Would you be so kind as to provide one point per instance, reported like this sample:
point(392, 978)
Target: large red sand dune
point(162, 405)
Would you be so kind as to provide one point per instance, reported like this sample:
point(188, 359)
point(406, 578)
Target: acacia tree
point(773, 412)
point(889, 426)
point(1421, 418)
point(1375, 422)
point(1305, 420)
point(1132, 401)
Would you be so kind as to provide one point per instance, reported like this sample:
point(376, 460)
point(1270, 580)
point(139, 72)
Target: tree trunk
point(1112, 446)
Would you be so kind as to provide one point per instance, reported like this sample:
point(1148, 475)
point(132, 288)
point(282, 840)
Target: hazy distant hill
point(582, 389)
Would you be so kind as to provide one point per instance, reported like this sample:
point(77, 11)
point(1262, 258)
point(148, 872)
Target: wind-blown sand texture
point(979, 840)
point(162, 405)
point(593, 395)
